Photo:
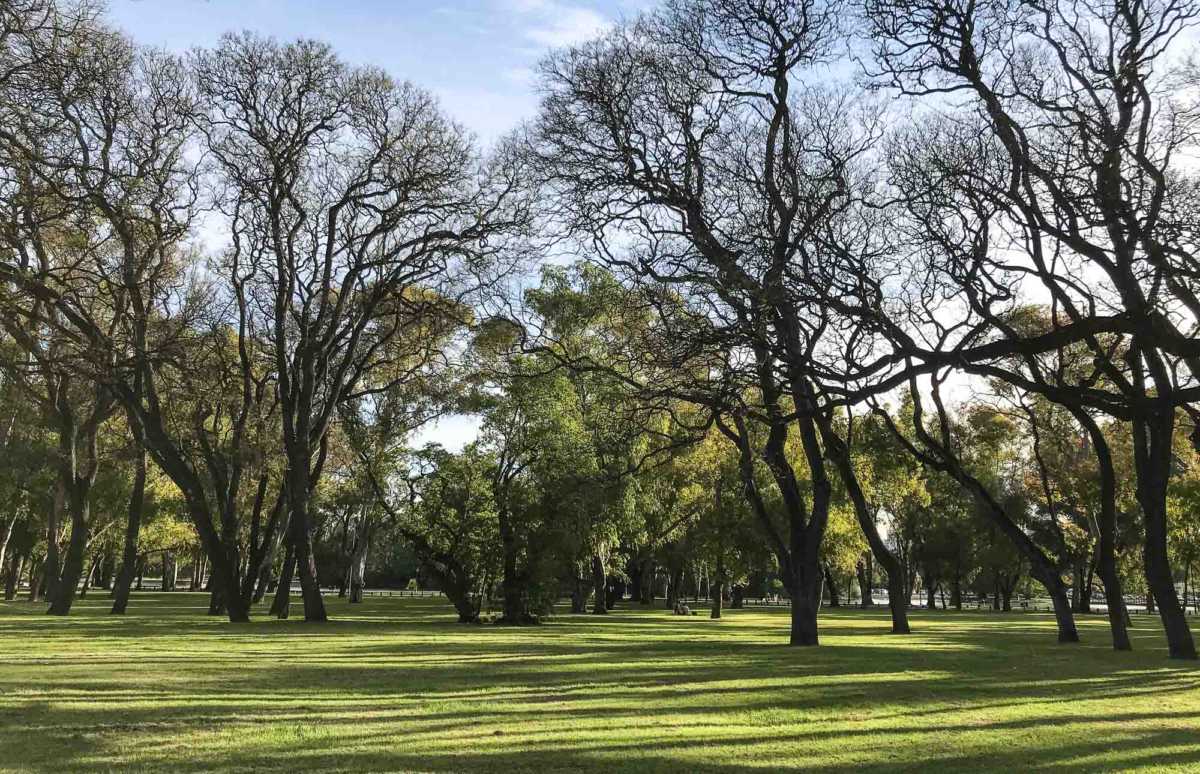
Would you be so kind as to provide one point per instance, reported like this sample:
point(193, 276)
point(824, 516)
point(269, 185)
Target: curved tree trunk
point(897, 598)
point(1152, 460)
point(64, 590)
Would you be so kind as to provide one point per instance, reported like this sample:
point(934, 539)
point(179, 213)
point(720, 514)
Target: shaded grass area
point(396, 684)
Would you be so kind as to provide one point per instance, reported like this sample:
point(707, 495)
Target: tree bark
point(1152, 460)
point(599, 586)
point(306, 566)
point(13, 579)
point(281, 605)
point(897, 598)
point(834, 599)
point(63, 591)
point(865, 592)
point(133, 526)
point(358, 560)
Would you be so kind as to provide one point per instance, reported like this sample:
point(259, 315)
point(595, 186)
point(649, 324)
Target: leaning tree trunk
point(37, 577)
point(1152, 461)
point(897, 597)
point(133, 526)
point(63, 592)
point(1063, 616)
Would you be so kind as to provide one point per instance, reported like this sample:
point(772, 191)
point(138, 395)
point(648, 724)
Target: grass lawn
point(397, 685)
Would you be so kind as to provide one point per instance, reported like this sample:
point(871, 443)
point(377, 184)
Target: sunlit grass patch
point(398, 685)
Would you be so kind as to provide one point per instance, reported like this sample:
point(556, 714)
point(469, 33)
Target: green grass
point(398, 685)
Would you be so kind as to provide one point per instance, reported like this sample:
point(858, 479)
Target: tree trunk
point(599, 586)
point(579, 594)
point(720, 581)
point(956, 591)
point(834, 599)
point(87, 578)
point(840, 454)
point(930, 592)
point(646, 588)
point(865, 592)
point(13, 579)
point(51, 567)
point(133, 526)
point(675, 584)
point(1152, 461)
point(717, 600)
point(511, 586)
point(170, 571)
point(281, 605)
point(218, 600)
point(806, 595)
point(63, 592)
point(6, 533)
point(299, 524)
point(106, 572)
point(37, 576)
point(458, 591)
point(358, 560)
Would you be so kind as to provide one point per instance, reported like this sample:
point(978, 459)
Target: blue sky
point(476, 55)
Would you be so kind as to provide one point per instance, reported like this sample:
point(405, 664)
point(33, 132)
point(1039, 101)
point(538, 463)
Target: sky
point(478, 56)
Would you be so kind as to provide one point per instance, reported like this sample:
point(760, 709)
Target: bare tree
point(359, 209)
point(1067, 144)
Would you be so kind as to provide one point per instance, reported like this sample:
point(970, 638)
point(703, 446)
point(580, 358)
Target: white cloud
point(554, 23)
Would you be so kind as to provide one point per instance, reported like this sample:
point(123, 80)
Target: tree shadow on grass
point(398, 685)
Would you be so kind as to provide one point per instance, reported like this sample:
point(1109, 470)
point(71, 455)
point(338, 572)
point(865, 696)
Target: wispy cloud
point(557, 23)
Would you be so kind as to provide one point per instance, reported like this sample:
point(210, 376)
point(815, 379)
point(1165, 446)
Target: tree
point(1059, 171)
point(345, 191)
